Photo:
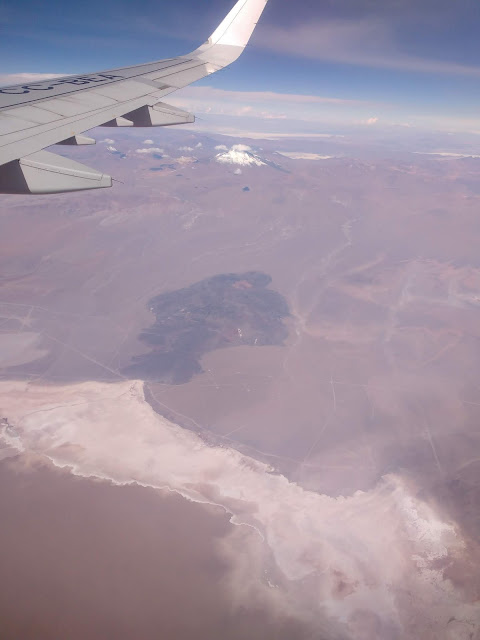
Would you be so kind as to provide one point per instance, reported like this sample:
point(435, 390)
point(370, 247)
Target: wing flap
point(45, 172)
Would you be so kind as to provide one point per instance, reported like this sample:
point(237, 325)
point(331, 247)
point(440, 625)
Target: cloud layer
point(366, 41)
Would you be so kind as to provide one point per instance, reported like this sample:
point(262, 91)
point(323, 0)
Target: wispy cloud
point(224, 96)
point(369, 42)
point(265, 105)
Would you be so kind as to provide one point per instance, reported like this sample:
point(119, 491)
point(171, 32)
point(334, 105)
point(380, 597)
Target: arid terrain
point(248, 386)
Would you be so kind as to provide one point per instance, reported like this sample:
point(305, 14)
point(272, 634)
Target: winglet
point(238, 26)
point(231, 37)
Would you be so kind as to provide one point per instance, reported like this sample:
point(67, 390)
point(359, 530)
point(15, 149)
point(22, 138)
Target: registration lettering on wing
point(50, 85)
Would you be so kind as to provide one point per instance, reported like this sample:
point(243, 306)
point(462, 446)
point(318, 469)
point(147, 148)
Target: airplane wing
point(36, 115)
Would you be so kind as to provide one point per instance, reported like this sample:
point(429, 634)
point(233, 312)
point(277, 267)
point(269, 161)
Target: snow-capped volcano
point(240, 154)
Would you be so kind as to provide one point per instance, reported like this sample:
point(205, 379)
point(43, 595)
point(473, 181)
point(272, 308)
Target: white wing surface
point(36, 115)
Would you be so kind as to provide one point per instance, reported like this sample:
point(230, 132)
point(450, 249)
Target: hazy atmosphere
point(239, 390)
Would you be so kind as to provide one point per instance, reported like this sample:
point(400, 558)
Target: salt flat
point(357, 554)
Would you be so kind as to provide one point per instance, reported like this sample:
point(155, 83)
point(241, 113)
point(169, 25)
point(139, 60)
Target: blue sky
point(401, 62)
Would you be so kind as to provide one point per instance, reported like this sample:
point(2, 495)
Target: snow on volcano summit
point(240, 154)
